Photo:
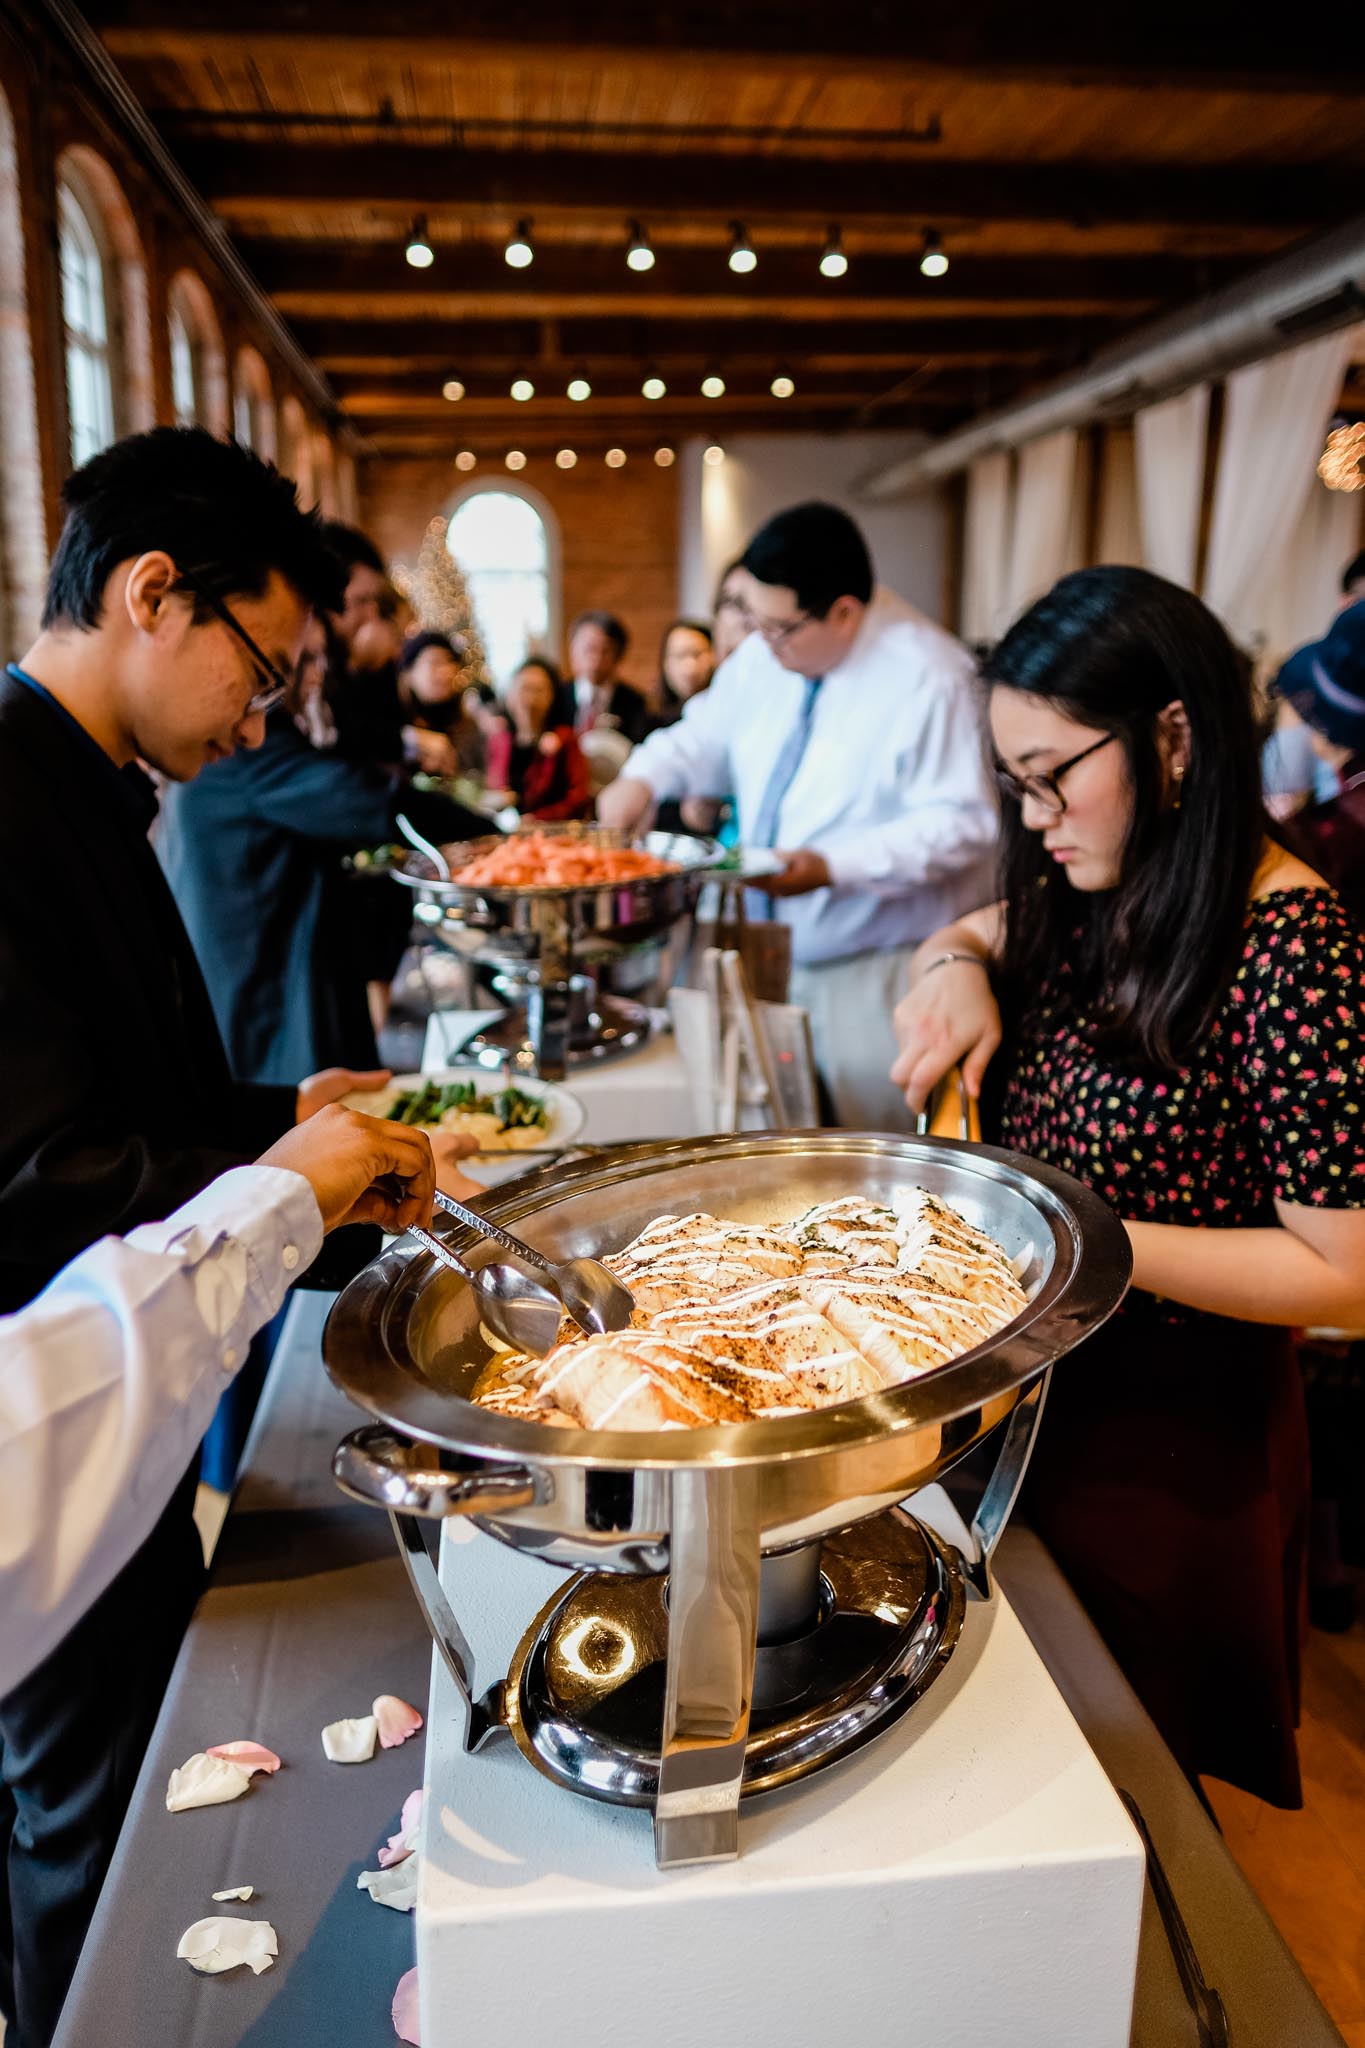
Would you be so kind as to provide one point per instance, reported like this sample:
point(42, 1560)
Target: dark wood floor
point(1308, 1868)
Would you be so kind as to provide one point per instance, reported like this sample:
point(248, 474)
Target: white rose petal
point(217, 1944)
point(241, 1891)
point(396, 1887)
point(205, 1781)
point(350, 1742)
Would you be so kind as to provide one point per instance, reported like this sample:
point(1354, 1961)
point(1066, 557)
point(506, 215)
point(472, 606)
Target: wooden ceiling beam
point(997, 41)
point(404, 178)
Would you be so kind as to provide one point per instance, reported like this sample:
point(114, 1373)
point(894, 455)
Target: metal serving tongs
point(951, 1112)
point(524, 1312)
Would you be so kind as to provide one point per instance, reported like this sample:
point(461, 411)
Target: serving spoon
point(594, 1297)
point(414, 838)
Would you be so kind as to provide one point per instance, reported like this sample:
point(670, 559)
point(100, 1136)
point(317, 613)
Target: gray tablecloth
point(309, 1616)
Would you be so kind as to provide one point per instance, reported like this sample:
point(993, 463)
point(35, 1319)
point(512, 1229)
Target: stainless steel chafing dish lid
point(403, 1340)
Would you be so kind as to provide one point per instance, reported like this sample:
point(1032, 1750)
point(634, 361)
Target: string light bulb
point(566, 459)
point(579, 388)
point(713, 385)
point(452, 389)
point(664, 457)
point(419, 251)
point(639, 254)
point(653, 386)
point(522, 388)
point(616, 458)
point(782, 385)
point(515, 459)
point(466, 459)
point(519, 252)
point(713, 455)
point(743, 256)
point(833, 262)
point(933, 261)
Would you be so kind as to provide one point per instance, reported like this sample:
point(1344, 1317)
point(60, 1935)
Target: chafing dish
point(673, 1708)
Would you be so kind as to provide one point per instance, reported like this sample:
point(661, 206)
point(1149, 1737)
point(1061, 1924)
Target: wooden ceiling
point(1084, 173)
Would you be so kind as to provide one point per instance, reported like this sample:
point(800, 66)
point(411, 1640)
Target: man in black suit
point(176, 605)
point(596, 697)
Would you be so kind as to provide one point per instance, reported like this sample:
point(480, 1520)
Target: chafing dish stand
point(969, 1879)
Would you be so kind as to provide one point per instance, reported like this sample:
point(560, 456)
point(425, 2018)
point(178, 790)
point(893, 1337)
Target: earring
point(1177, 776)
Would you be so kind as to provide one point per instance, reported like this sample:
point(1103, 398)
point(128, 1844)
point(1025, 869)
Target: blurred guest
point(1294, 772)
point(363, 567)
point(686, 664)
point(846, 727)
point(439, 733)
point(599, 696)
point(540, 766)
point(1353, 581)
point(1323, 687)
point(732, 622)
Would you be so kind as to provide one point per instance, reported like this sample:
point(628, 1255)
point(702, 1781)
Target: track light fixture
point(743, 256)
point(934, 259)
point(519, 253)
point(418, 250)
point(833, 262)
point(713, 455)
point(639, 254)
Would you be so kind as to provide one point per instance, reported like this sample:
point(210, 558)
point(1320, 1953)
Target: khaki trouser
point(850, 1004)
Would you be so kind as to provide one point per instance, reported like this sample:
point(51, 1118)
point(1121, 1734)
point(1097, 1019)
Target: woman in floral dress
point(1171, 1007)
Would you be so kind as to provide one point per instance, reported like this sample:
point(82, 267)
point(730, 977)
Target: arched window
point(23, 537)
point(104, 305)
point(198, 369)
point(253, 404)
point(85, 316)
point(501, 542)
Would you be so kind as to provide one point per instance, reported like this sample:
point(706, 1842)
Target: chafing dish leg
point(549, 997)
point(713, 1593)
point(484, 1717)
point(1002, 1488)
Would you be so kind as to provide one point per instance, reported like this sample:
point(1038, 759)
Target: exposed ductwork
point(1314, 289)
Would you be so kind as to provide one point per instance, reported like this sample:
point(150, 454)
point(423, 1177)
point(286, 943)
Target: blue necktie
point(784, 773)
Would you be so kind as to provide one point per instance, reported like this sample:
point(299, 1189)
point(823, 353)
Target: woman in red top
point(1172, 1008)
point(541, 766)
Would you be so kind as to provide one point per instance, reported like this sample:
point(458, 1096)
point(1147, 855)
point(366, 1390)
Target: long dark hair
point(1110, 648)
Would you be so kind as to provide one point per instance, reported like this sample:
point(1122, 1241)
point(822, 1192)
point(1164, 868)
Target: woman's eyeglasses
point(275, 684)
point(1045, 787)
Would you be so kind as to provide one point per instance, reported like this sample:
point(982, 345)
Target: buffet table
point(309, 1615)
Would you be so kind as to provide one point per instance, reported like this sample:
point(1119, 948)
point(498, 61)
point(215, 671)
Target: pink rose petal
point(405, 1841)
point(397, 1720)
point(248, 1756)
point(406, 2017)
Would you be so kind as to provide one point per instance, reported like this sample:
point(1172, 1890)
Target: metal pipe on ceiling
point(1312, 290)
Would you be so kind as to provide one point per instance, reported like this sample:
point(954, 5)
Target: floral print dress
point(1170, 1477)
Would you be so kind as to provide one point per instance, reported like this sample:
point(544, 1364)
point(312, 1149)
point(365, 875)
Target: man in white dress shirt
point(846, 727)
point(110, 1376)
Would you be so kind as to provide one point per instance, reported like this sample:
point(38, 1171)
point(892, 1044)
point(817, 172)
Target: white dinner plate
point(566, 1115)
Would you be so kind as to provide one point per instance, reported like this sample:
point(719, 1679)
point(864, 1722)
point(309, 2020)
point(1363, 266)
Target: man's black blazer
point(116, 1103)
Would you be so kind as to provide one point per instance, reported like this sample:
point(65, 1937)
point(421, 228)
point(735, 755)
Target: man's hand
point(331, 1084)
point(448, 1147)
point(433, 751)
point(802, 871)
point(362, 1170)
point(625, 803)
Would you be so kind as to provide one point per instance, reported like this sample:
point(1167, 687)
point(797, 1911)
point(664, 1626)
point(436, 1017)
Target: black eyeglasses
point(276, 682)
point(1044, 787)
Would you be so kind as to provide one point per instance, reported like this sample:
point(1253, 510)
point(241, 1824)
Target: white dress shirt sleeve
point(108, 1380)
point(949, 818)
point(692, 756)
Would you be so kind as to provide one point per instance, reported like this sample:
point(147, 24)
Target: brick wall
point(47, 110)
point(618, 531)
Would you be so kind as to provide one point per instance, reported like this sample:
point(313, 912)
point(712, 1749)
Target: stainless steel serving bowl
point(404, 1342)
point(521, 918)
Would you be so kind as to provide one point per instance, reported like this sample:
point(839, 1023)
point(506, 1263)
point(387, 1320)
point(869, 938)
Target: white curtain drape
point(1118, 529)
point(1049, 516)
point(1275, 415)
point(1170, 440)
point(986, 547)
